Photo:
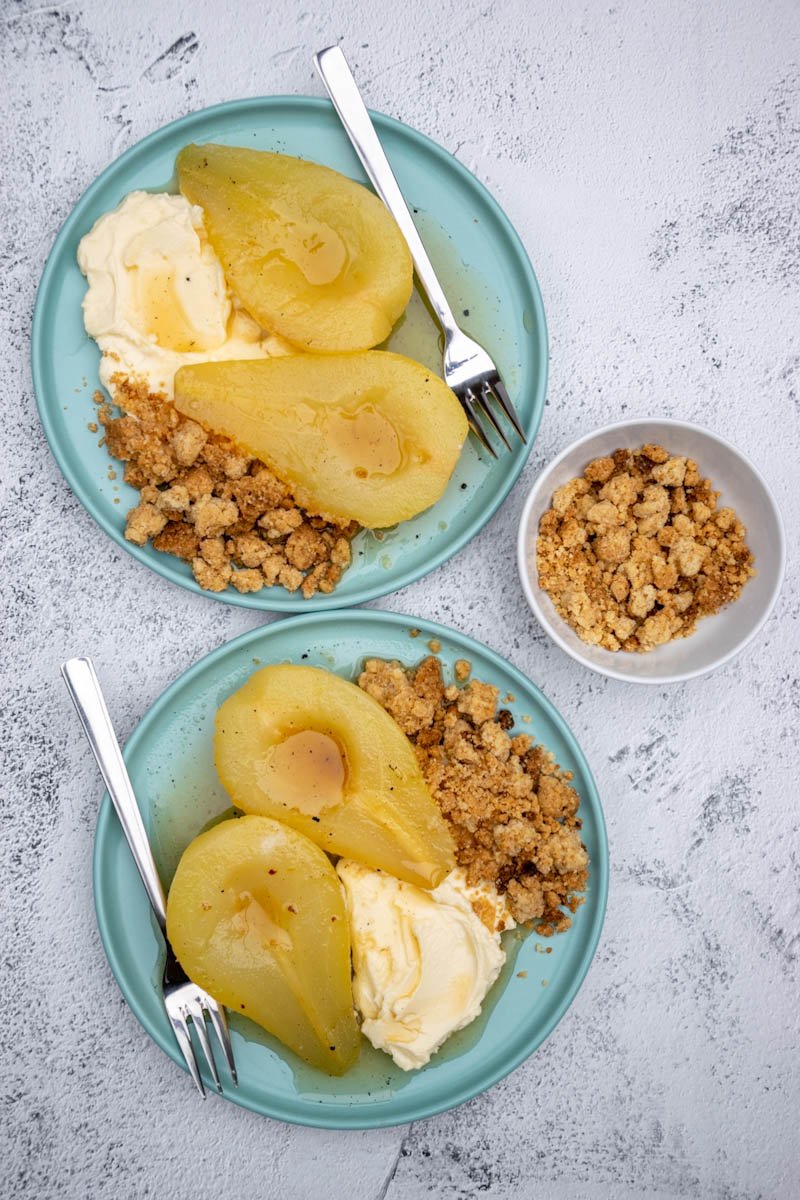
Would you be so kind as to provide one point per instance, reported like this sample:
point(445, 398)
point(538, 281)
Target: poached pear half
point(256, 917)
point(307, 747)
point(371, 437)
point(312, 255)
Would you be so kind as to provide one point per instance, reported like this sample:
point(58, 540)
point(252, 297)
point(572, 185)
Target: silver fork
point(183, 1000)
point(468, 369)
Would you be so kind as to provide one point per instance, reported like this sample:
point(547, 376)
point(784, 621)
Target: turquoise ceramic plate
point(483, 266)
point(170, 760)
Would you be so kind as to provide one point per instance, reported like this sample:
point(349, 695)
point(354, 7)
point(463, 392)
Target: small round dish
point(170, 761)
point(483, 268)
point(717, 639)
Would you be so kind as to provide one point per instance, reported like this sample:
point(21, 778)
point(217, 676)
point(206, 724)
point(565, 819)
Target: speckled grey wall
point(649, 154)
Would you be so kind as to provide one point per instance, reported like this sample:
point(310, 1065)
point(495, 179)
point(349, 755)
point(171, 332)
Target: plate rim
point(261, 601)
point(318, 1114)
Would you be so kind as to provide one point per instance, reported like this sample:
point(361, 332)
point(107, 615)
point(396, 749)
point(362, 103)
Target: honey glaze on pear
point(368, 439)
point(307, 771)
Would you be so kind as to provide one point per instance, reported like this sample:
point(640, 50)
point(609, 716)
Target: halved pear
point(255, 916)
point(309, 748)
point(312, 255)
point(370, 437)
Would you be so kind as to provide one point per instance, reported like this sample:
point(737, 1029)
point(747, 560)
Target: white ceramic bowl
point(717, 639)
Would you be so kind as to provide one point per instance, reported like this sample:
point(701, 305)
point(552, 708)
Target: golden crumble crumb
point(280, 522)
point(290, 577)
point(145, 521)
point(635, 552)
point(486, 912)
point(187, 441)
point(212, 578)
point(210, 515)
point(478, 701)
point(247, 579)
point(512, 812)
point(207, 502)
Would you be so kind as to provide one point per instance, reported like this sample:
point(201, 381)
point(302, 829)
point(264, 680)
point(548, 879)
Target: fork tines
point(187, 1007)
point(477, 401)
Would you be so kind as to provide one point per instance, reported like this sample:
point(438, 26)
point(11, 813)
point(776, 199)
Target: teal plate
point(170, 761)
point(483, 267)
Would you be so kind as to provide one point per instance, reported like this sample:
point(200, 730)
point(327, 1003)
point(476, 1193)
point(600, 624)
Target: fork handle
point(84, 688)
point(343, 91)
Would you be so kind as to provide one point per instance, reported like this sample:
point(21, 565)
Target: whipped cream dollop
point(423, 961)
point(157, 296)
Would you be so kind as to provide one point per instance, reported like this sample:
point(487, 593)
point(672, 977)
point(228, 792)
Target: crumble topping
point(635, 552)
point(206, 501)
point(512, 812)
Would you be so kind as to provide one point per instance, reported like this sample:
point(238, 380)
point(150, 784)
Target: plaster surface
point(649, 155)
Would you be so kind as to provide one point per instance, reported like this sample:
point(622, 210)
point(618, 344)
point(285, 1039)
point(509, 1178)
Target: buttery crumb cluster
point(635, 551)
point(204, 500)
point(512, 812)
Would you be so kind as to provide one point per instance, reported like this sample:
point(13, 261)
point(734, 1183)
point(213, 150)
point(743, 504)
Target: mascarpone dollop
point(423, 961)
point(157, 296)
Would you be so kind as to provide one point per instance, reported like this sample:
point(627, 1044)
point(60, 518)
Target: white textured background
point(649, 154)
